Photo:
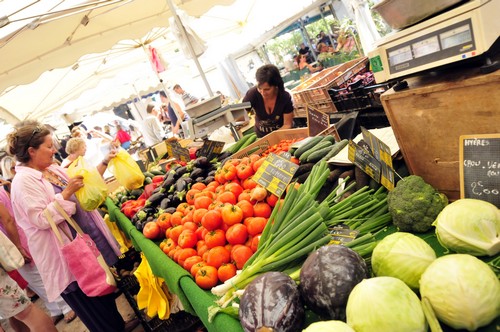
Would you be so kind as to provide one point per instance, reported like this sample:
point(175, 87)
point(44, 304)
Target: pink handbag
point(84, 259)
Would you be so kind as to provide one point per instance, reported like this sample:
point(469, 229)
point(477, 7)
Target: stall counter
point(195, 300)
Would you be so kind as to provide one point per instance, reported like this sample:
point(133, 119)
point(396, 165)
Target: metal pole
point(305, 36)
point(190, 47)
point(330, 32)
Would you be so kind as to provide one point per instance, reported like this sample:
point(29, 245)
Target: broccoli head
point(415, 204)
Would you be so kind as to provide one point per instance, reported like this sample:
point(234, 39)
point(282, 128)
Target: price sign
point(342, 234)
point(381, 152)
point(364, 160)
point(175, 150)
point(480, 167)
point(211, 149)
point(331, 131)
point(275, 174)
point(317, 121)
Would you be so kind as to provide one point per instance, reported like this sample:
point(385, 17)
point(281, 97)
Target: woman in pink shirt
point(38, 184)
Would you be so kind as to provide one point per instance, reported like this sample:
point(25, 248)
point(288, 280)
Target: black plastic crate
point(358, 98)
point(179, 322)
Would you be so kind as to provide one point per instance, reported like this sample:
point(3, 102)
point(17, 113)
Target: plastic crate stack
point(129, 285)
point(358, 97)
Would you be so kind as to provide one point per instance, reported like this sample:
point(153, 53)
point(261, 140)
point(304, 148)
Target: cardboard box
point(429, 117)
point(275, 137)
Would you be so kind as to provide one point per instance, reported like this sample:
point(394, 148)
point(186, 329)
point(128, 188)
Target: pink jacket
point(31, 194)
point(5, 200)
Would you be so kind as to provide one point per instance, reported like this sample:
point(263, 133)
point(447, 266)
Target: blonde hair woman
point(75, 147)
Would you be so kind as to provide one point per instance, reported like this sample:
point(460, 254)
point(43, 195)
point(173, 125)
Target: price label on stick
point(480, 167)
point(364, 160)
point(211, 149)
point(275, 174)
point(175, 150)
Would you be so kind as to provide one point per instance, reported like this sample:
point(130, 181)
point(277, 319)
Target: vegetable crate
point(273, 138)
point(362, 98)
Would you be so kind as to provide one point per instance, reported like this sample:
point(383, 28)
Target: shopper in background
point(304, 64)
point(123, 137)
point(175, 112)
point(187, 98)
point(273, 106)
point(38, 184)
point(58, 309)
point(75, 148)
point(16, 306)
point(152, 131)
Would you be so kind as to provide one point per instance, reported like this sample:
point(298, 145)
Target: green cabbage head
point(404, 256)
point(462, 290)
point(384, 304)
point(469, 226)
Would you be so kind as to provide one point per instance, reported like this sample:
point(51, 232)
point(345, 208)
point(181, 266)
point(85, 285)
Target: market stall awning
point(55, 34)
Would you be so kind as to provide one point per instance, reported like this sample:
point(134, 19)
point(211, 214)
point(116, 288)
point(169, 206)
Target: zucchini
point(156, 172)
point(148, 174)
point(329, 138)
point(319, 146)
point(249, 141)
point(318, 154)
point(306, 146)
point(336, 148)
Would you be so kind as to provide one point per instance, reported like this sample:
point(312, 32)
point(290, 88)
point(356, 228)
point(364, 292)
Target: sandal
point(69, 317)
point(57, 319)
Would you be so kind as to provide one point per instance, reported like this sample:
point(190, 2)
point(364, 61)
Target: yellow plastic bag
point(123, 241)
point(94, 191)
point(151, 295)
point(126, 170)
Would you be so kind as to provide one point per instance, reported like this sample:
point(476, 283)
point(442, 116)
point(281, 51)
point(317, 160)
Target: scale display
point(456, 36)
point(431, 47)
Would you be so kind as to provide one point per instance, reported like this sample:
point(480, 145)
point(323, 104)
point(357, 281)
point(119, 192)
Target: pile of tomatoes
point(218, 228)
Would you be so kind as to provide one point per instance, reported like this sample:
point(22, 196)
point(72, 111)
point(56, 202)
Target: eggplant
point(188, 181)
point(271, 302)
point(165, 203)
point(201, 162)
point(175, 201)
point(212, 172)
point(328, 276)
point(157, 189)
point(224, 155)
point(180, 184)
point(155, 199)
point(180, 171)
point(208, 179)
point(170, 210)
point(200, 179)
point(149, 210)
point(196, 172)
point(169, 180)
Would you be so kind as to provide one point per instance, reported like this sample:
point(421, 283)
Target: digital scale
point(464, 32)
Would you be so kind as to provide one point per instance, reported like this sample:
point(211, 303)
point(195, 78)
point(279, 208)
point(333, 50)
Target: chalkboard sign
point(317, 121)
point(480, 167)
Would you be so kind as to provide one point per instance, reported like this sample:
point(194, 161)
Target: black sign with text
point(211, 149)
point(480, 167)
point(175, 150)
point(317, 121)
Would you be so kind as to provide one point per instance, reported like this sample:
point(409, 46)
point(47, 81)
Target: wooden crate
point(429, 117)
point(275, 137)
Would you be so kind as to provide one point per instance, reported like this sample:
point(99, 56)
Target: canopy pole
point(190, 47)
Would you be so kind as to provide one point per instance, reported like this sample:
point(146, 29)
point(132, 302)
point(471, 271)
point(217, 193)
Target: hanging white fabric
point(197, 43)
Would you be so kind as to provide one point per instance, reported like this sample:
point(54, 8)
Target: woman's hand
point(74, 184)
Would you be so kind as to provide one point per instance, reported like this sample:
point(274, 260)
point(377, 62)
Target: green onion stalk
point(295, 228)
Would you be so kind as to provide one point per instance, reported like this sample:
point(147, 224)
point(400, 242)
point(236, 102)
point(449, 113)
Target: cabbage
point(384, 304)
point(462, 290)
point(328, 326)
point(469, 226)
point(403, 256)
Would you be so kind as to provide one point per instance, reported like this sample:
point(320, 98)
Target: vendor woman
point(273, 106)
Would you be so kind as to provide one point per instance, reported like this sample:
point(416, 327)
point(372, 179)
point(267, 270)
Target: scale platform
point(464, 32)
point(204, 125)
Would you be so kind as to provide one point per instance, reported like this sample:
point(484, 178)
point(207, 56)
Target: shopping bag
point(126, 170)
point(10, 257)
point(95, 190)
point(83, 258)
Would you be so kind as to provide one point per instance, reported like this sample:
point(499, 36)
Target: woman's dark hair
point(29, 133)
point(269, 74)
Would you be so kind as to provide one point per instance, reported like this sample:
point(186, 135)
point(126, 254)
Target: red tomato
point(226, 271)
point(187, 239)
point(240, 256)
point(152, 230)
point(232, 214)
point(169, 245)
point(235, 188)
point(237, 234)
point(175, 232)
point(202, 202)
point(218, 256)
point(244, 171)
point(190, 195)
point(262, 209)
point(164, 221)
point(246, 207)
point(257, 164)
point(255, 243)
point(212, 220)
point(229, 171)
point(272, 199)
point(249, 183)
point(256, 225)
point(199, 186)
point(190, 261)
point(196, 267)
point(184, 254)
point(215, 238)
point(198, 215)
point(206, 277)
point(227, 197)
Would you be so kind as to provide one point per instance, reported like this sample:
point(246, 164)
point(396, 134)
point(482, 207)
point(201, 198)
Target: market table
point(195, 300)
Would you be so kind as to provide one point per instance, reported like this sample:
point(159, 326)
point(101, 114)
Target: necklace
point(54, 178)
